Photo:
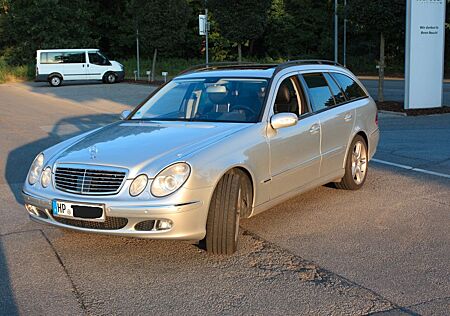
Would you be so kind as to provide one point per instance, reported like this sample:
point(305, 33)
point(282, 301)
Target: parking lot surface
point(384, 249)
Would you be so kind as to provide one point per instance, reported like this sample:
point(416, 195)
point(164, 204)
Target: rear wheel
point(55, 81)
point(231, 200)
point(356, 166)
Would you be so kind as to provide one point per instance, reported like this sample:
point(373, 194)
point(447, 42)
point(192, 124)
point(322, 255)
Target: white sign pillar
point(424, 53)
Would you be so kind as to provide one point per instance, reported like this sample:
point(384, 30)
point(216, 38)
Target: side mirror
point(124, 114)
point(281, 120)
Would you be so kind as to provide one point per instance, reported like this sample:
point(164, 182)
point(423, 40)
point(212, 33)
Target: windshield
point(206, 99)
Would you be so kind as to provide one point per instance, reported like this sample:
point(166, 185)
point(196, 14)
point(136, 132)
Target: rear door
point(336, 117)
point(75, 65)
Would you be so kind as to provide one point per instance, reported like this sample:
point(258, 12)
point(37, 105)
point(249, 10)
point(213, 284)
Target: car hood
point(135, 145)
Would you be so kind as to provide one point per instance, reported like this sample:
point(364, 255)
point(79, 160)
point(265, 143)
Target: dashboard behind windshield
point(206, 99)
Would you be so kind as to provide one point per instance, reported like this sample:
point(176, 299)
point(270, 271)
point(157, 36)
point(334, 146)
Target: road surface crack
point(72, 283)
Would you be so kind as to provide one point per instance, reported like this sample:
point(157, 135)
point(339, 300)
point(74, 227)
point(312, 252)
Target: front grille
point(88, 181)
point(110, 223)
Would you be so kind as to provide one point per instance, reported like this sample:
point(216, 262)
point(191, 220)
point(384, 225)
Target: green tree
point(29, 25)
point(382, 18)
point(240, 21)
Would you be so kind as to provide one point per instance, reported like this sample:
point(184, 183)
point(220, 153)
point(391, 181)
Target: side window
point(96, 59)
point(351, 89)
point(289, 97)
point(319, 91)
point(52, 58)
point(338, 95)
point(75, 58)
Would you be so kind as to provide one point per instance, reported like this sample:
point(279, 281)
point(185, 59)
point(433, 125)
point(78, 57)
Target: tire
point(231, 198)
point(356, 165)
point(110, 78)
point(55, 81)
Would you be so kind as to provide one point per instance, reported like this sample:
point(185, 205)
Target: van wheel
point(55, 81)
point(356, 166)
point(110, 77)
point(231, 199)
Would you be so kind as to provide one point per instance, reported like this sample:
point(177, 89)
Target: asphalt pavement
point(381, 250)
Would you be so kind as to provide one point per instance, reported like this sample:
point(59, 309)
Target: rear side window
point(351, 89)
point(319, 91)
point(75, 58)
point(52, 58)
point(338, 95)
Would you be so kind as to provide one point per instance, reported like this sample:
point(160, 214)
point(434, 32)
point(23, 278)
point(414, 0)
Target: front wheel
point(356, 166)
point(110, 77)
point(231, 199)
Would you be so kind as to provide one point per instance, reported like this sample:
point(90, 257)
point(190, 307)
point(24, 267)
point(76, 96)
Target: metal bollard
point(164, 74)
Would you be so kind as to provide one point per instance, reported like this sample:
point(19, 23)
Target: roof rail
point(305, 62)
point(252, 65)
point(226, 65)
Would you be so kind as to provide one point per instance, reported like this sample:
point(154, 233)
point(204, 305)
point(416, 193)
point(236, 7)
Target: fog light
point(31, 209)
point(163, 224)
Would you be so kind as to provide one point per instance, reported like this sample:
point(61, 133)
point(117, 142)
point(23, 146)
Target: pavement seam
point(20, 232)
point(394, 305)
point(72, 283)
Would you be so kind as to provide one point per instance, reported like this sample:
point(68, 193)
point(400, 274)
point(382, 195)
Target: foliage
point(265, 29)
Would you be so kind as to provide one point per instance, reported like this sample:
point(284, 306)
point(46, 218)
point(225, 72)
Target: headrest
point(283, 95)
point(217, 94)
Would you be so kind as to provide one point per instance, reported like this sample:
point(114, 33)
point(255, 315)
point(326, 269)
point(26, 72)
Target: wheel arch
point(360, 133)
point(250, 177)
point(55, 74)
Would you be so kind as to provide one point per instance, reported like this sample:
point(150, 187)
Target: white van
point(58, 65)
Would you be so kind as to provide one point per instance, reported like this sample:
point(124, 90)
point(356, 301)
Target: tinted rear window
point(351, 89)
point(60, 57)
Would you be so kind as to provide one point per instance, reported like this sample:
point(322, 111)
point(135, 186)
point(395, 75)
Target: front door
point(97, 65)
point(75, 65)
point(295, 150)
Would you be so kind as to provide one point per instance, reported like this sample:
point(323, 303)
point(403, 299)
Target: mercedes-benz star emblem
point(93, 152)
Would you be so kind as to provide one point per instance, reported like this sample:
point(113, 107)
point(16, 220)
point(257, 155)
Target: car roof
point(67, 50)
point(248, 70)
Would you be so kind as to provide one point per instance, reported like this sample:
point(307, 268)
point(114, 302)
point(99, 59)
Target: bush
point(10, 73)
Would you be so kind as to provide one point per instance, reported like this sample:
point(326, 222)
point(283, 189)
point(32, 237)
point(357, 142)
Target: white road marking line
point(443, 175)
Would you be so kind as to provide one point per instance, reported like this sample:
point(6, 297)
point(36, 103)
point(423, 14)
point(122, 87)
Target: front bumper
point(120, 75)
point(188, 219)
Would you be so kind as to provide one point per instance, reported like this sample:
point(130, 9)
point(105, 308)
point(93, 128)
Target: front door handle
point(348, 117)
point(315, 128)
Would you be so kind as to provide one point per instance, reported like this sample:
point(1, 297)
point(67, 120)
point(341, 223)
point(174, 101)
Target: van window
point(319, 92)
point(75, 58)
point(351, 89)
point(52, 58)
point(97, 59)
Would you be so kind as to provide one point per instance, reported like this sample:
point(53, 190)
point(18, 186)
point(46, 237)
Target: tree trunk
point(239, 52)
point(154, 64)
point(381, 67)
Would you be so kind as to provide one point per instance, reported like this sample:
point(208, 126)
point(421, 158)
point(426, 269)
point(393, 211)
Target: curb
point(393, 113)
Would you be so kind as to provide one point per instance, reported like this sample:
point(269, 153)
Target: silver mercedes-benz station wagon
point(213, 145)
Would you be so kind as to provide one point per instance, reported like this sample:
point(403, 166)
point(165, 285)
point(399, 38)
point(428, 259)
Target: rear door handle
point(348, 117)
point(315, 128)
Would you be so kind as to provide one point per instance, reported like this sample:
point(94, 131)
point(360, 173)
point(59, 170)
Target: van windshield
point(206, 99)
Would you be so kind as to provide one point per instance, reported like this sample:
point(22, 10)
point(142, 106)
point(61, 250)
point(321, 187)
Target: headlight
point(36, 168)
point(170, 179)
point(138, 185)
point(46, 177)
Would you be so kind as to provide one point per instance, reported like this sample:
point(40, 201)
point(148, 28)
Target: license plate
point(78, 211)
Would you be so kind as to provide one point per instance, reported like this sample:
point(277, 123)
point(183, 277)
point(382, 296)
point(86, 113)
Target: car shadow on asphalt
point(19, 159)
point(8, 304)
